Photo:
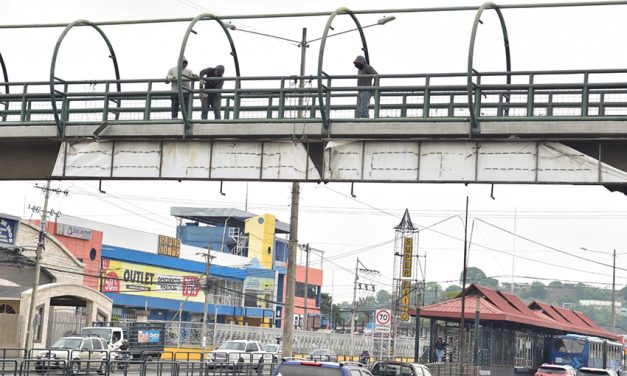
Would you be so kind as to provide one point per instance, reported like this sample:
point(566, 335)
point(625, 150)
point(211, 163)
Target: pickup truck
point(238, 353)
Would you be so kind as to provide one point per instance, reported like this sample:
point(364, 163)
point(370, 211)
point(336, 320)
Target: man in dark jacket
point(365, 79)
point(210, 97)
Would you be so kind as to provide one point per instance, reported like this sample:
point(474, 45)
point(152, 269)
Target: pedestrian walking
point(364, 358)
point(186, 77)
point(365, 72)
point(210, 96)
point(440, 346)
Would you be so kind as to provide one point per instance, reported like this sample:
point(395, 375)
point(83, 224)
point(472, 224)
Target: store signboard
point(8, 229)
point(73, 231)
point(408, 245)
point(169, 246)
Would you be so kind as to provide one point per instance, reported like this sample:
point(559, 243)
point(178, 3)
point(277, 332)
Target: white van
point(113, 335)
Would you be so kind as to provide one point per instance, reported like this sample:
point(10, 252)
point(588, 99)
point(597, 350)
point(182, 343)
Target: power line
point(548, 246)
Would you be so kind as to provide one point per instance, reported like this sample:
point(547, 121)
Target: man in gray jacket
point(365, 79)
point(187, 76)
point(210, 96)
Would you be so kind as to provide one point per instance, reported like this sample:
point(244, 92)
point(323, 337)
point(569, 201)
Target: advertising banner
point(125, 277)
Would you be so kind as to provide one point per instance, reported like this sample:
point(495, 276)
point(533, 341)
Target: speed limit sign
point(383, 317)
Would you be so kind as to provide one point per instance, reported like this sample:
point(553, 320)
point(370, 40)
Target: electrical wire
point(550, 247)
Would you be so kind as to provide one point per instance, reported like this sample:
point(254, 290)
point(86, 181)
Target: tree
point(384, 299)
point(433, 293)
point(451, 291)
point(556, 284)
point(537, 290)
point(477, 276)
point(326, 301)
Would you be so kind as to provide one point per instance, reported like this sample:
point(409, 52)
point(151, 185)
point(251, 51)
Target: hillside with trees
point(558, 293)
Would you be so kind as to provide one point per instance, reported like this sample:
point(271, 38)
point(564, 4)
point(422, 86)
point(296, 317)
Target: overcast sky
point(552, 222)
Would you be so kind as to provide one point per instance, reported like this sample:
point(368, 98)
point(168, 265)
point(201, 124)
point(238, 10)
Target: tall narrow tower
point(405, 274)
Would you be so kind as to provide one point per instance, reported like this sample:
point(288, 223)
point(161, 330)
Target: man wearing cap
point(364, 79)
point(187, 76)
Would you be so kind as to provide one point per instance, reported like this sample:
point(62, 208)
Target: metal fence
point(531, 95)
point(184, 334)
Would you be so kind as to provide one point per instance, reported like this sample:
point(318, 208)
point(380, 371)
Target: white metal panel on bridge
point(381, 161)
point(218, 160)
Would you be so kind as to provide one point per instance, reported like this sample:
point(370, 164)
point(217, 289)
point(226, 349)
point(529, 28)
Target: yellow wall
point(260, 230)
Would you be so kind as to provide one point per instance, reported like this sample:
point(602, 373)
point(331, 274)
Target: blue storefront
point(164, 287)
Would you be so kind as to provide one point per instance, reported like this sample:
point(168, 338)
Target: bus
point(585, 351)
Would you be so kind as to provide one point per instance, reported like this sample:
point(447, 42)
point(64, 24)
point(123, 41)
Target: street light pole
point(206, 308)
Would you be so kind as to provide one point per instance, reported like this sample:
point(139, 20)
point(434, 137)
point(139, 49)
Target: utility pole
point(462, 325)
point(288, 316)
point(206, 307)
point(614, 293)
point(305, 327)
point(354, 306)
point(417, 333)
point(41, 245)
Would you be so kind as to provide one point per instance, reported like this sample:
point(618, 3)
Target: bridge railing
point(531, 95)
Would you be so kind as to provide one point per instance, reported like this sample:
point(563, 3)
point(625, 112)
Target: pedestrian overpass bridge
point(566, 127)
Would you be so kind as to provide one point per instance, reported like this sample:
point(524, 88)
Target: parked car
point(75, 353)
point(390, 368)
point(275, 349)
point(323, 355)
point(238, 353)
point(556, 369)
point(312, 368)
point(588, 371)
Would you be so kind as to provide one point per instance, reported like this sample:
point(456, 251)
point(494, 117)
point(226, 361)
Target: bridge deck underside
point(342, 160)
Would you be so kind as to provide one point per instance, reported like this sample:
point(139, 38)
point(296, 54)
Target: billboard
point(8, 229)
point(408, 248)
point(125, 277)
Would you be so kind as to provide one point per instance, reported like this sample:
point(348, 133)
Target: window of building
point(39, 319)
point(312, 292)
point(5, 308)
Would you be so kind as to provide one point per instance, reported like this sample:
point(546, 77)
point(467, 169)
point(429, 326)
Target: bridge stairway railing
point(548, 95)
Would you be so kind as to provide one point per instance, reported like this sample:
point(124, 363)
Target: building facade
point(64, 303)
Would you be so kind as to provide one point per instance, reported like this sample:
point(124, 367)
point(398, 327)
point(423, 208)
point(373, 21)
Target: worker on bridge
point(365, 72)
point(187, 76)
point(210, 96)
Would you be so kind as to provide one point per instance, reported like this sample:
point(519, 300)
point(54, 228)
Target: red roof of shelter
point(497, 305)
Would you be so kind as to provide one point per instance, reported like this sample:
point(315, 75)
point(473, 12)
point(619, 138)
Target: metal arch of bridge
point(5, 74)
point(53, 98)
point(203, 16)
point(474, 124)
point(323, 42)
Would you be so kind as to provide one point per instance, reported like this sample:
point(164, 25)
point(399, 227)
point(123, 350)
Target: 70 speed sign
point(383, 317)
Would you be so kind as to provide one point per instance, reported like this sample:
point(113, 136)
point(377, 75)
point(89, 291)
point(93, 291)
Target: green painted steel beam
point(326, 13)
